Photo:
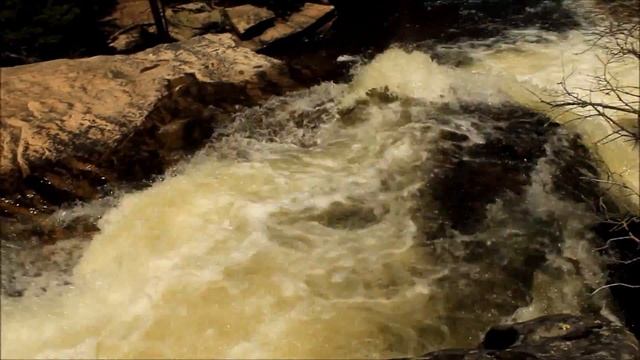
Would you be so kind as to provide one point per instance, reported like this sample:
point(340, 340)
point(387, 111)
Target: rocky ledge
point(553, 337)
point(70, 127)
point(259, 27)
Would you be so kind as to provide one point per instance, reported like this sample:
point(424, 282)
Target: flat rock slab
point(63, 121)
point(245, 18)
point(309, 15)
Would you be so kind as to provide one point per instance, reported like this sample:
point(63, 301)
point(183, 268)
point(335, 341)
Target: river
point(329, 223)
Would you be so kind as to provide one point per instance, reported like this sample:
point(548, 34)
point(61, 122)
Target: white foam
point(227, 258)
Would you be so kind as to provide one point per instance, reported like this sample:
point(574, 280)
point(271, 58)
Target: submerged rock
point(470, 176)
point(489, 206)
point(553, 337)
point(70, 127)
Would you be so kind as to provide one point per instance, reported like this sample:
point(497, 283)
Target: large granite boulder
point(553, 337)
point(70, 127)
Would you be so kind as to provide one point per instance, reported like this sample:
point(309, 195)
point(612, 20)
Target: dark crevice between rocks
point(500, 338)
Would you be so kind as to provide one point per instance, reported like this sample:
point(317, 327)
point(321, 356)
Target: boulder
point(248, 19)
point(553, 337)
point(310, 16)
point(70, 127)
point(192, 19)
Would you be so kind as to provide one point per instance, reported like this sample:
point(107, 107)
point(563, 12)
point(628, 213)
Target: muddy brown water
point(341, 221)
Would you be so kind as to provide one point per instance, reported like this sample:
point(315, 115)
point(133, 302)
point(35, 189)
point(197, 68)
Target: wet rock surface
point(71, 127)
point(553, 337)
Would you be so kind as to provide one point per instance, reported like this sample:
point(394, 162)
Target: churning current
point(327, 223)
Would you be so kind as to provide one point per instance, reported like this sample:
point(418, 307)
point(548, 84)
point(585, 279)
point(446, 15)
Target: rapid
point(320, 224)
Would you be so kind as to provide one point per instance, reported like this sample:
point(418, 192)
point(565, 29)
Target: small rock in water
point(347, 216)
point(453, 136)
